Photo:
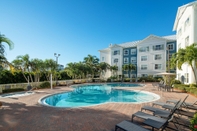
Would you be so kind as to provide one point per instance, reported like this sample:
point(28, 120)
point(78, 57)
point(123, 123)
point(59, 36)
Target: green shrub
point(175, 82)
point(193, 85)
point(13, 90)
point(108, 80)
point(195, 93)
point(180, 86)
point(126, 79)
point(150, 78)
point(193, 123)
point(192, 90)
point(45, 85)
point(133, 79)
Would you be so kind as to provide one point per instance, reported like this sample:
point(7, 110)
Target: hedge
point(13, 90)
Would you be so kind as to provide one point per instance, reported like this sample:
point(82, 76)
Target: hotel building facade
point(150, 55)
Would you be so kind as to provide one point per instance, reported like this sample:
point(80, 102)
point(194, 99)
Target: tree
point(3, 39)
point(49, 67)
point(188, 56)
point(22, 63)
point(114, 69)
point(36, 66)
point(129, 68)
point(103, 67)
point(126, 68)
point(92, 62)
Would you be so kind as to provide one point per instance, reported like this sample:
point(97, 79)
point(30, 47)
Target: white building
point(149, 55)
point(186, 31)
point(152, 56)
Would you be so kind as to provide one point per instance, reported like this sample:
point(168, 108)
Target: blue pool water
point(88, 95)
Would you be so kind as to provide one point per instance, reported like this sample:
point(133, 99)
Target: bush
point(193, 123)
point(150, 78)
point(126, 79)
point(180, 86)
point(108, 80)
point(13, 90)
point(175, 82)
point(45, 85)
point(193, 85)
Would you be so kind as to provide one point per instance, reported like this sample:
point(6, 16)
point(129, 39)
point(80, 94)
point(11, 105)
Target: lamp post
point(56, 55)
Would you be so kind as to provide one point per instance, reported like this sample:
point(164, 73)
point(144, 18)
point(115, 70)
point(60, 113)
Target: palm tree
point(129, 68)
point(187, 55)
point(70, 70)
point(36, 66)
point(23, 63)
point(103, 67)
point(92, 62)
point(49, 67)
point(3, 39)
point(114, 69)
point(126, 68)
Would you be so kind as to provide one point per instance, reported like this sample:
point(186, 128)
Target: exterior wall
point(117, 56)
point(130, 57)
point(171, 52)
point(105, 56)
point(150, 62)
point(183, 32)
point(156, 59)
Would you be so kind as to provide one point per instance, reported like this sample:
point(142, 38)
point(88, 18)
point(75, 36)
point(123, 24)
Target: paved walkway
point(24, 113)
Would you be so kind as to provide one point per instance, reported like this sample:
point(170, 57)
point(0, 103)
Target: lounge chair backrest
point(182, 102)
point(195, 102)
point(175, 107)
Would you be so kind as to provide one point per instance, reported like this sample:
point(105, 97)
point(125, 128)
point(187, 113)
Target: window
point(186, 77)
point(133, 75)
point(186, 25)
point(144, 75)
point(143, 67)
point(126, 75)
point(187, 41)
point(116, 60)
point(144, 49)
point(103, 58)
point(170, 56)
point(133, 59)
point(133, 51)
point(180, 32)
point(126, 60)
point(143, 58)
point(126, 52)
point(117, 52)
point(158, 57)
point(158, 47)
point(171, 46)
point(157, 66)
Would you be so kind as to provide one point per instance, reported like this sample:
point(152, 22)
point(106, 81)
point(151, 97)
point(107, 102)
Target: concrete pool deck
point(24, 113)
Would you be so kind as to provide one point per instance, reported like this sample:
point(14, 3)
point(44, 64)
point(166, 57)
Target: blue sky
point(76, 28)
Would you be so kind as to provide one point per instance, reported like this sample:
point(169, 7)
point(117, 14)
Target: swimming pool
point(89, 95)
